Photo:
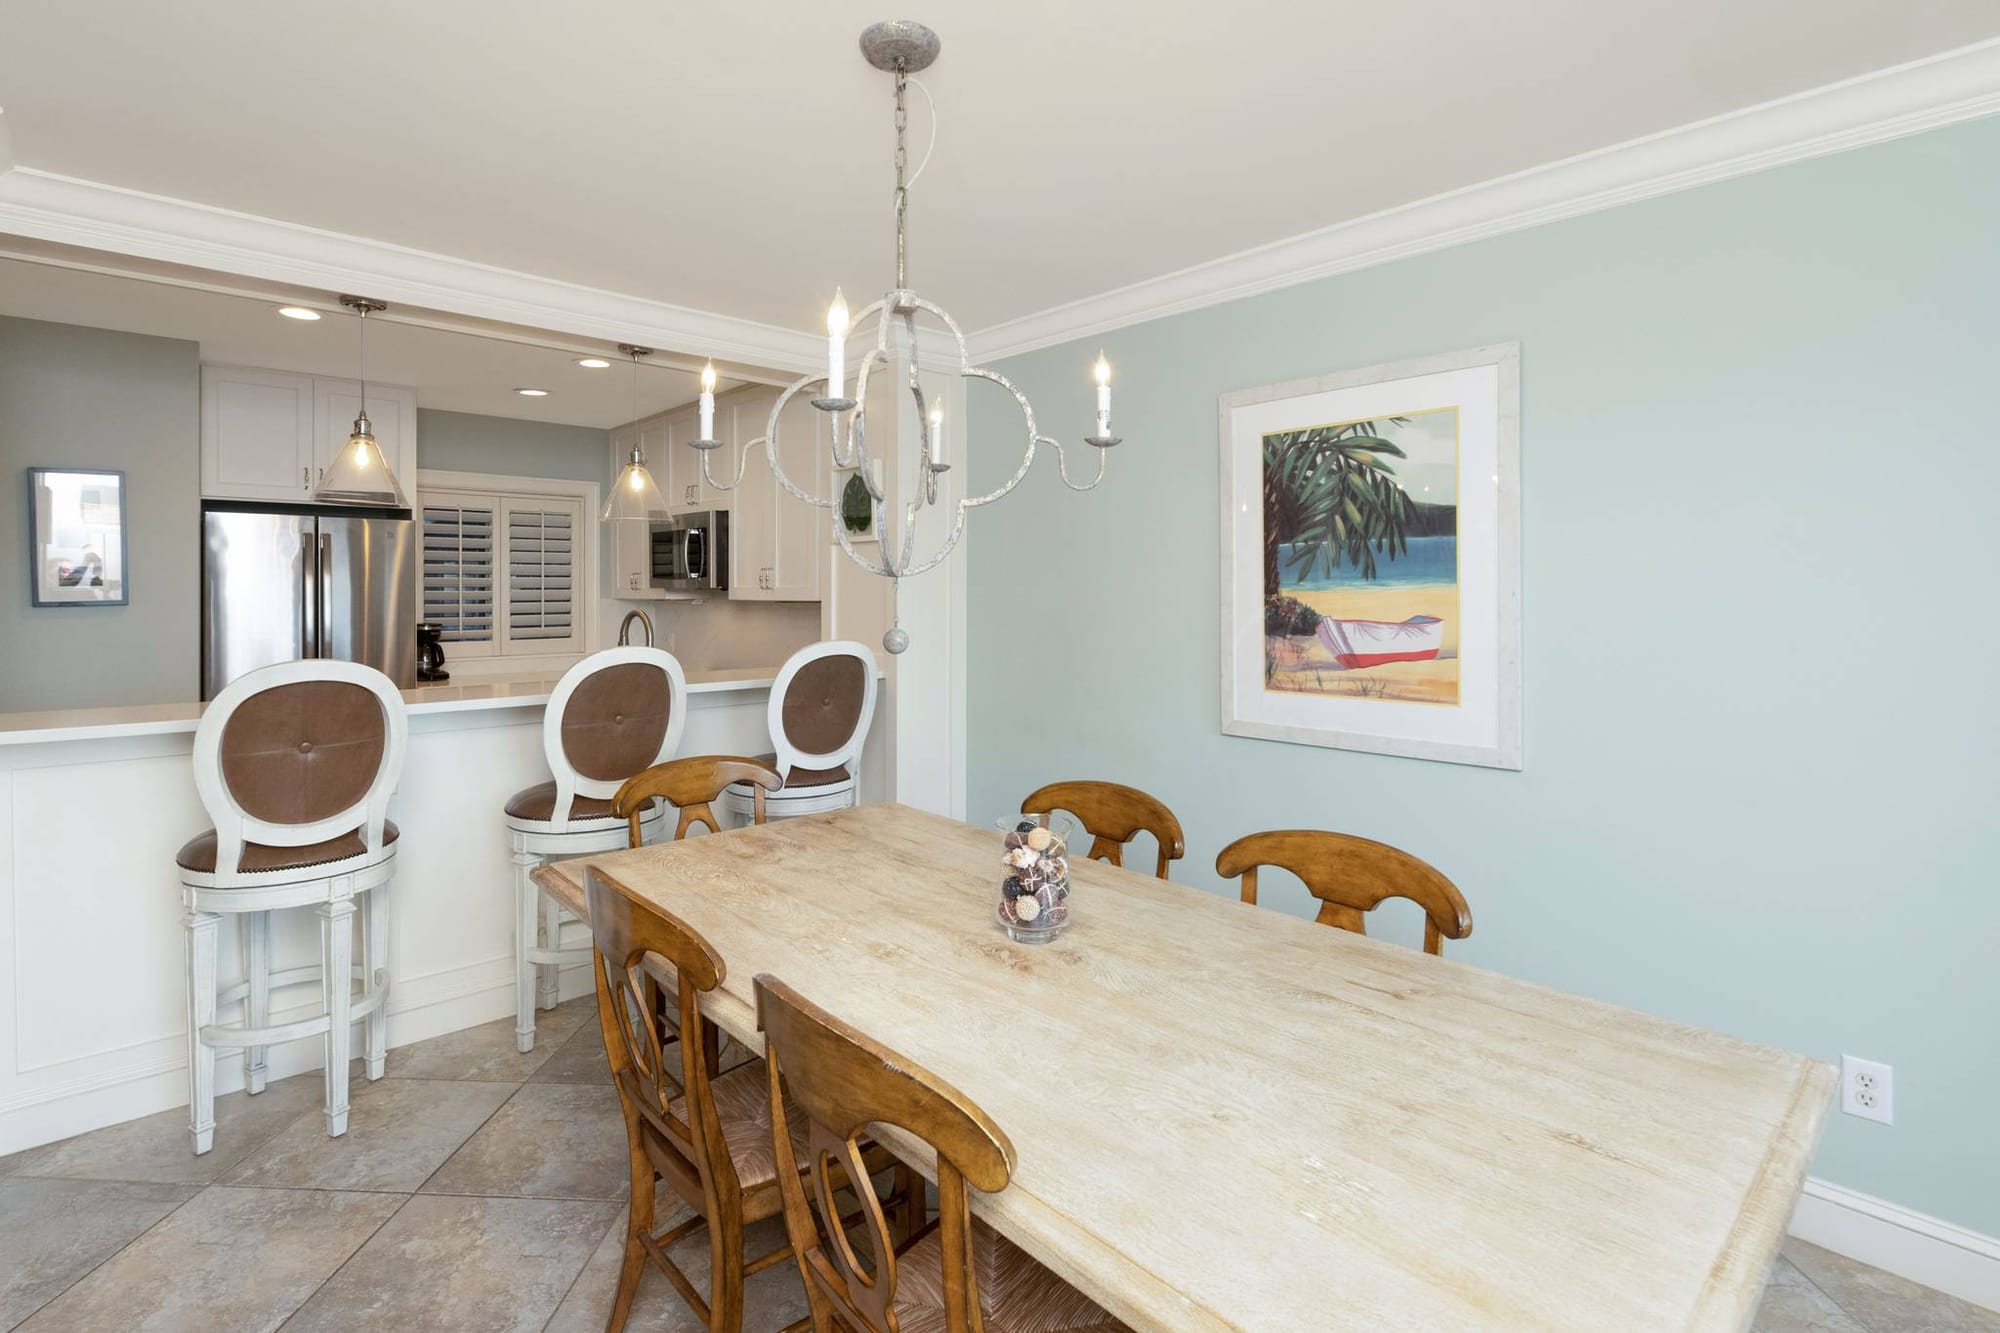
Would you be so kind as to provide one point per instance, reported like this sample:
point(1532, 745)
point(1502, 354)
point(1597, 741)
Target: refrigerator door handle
point(325, 588)
point(308, 609)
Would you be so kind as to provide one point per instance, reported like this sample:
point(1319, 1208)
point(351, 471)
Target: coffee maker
point(430, 652)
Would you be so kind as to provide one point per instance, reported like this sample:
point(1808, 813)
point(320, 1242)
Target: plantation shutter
point(541, 573)
point(458, 568)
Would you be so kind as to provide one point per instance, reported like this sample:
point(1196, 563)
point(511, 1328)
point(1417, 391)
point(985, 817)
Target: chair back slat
point(691, 786)
point(624, 930)
point(843, 1082)
point(1113, 814)
point(1350, 876)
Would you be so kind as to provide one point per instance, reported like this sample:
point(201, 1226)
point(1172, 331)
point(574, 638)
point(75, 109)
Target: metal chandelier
point(900, 48)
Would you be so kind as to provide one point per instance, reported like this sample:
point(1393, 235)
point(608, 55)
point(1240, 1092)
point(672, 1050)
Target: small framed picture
point(76, 537)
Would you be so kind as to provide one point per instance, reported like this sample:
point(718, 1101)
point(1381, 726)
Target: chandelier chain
point(902, 169)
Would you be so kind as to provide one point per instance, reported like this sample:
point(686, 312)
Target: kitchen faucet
point(625, 627)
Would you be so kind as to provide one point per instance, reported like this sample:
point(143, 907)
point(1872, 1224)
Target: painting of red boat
point(1368, 643)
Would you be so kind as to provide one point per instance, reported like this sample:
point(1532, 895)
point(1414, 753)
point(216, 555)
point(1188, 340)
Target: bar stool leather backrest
point(297, 755)
point(614, 714)
point(822, 704)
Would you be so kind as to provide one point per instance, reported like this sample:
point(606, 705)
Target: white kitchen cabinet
point(391, 411)
point(777, 541)
point(256, 434)
point(268, 434)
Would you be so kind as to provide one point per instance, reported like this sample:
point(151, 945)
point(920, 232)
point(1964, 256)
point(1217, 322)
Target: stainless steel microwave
point(691, 552)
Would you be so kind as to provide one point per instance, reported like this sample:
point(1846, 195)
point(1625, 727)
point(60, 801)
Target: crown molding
point(68, 211)
point(1940, 90)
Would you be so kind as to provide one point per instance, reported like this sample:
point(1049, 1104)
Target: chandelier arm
point(867, 565)
point(1062, 465)
point(1027, 457)
point(771, 446)
point(742, 466)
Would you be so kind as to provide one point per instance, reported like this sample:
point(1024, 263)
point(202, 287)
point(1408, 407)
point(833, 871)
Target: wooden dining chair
point(959, 1274)
point(708, 1137)
point(1349, 876)
point(691, 786)
point(1113, 814)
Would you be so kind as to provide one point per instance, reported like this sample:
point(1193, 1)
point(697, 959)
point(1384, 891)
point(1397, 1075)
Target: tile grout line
point(341, 1267)
point(199, 1190)
point(80, 1277)
point(621, 1223)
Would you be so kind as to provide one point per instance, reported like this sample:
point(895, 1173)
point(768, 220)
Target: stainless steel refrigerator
point(280, 584)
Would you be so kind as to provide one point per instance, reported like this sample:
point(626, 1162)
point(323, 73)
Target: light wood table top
point(1229, 1118)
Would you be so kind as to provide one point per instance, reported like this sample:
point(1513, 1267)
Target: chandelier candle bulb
point(937, 434)
point(1102, 371)
point(836, 346)
point(708, 401)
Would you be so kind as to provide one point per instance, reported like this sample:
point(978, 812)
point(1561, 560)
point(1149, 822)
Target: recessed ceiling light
point(298, 312)
point(594, 363)
point(533, 393)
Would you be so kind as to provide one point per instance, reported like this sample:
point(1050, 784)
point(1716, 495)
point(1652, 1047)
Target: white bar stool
point(295, 764)
point(822, 704)
point(614, 714)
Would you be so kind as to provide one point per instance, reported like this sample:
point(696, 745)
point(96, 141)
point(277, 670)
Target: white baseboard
point(1888, 1236)
point(431, 1007)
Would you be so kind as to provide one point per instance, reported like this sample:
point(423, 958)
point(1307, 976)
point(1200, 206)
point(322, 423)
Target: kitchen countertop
point(471, 693)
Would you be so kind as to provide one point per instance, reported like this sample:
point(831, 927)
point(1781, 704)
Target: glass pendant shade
point(634, 495)
point(359, 474)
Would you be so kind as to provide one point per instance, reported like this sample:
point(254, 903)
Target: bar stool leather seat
point(537, 805)
point(807, 777)
point(322, 858)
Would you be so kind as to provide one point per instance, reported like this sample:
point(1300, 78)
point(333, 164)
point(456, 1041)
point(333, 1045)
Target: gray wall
point(82, 397)
point(1758, 450)
point(464, 442)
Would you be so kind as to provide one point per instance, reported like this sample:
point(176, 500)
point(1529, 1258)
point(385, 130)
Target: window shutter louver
point(539, 572)
point(459, 570)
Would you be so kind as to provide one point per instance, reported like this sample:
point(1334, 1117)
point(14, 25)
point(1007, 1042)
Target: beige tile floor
point(476, 1188)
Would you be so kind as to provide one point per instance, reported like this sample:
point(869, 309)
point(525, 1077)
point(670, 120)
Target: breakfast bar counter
point(94, 804)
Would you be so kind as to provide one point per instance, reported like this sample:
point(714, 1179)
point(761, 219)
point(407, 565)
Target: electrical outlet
point(1867, 1089)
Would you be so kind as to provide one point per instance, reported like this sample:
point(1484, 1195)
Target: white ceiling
point(735, 157)
point(451, 371)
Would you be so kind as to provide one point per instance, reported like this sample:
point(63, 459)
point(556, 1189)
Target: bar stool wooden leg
point(550, 974)
point(201, 936)
point(257, 1004)
point(527, 912)
point(336, 934)
point(375, 978)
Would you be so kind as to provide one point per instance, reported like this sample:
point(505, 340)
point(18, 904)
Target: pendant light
point(634, 495)
point(359, 474)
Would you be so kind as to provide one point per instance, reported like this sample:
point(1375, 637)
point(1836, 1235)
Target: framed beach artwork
point(1371, 559)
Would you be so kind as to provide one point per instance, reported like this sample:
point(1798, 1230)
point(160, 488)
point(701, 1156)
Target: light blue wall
point(92, 398)
point(467, 442)
point(1760, 450)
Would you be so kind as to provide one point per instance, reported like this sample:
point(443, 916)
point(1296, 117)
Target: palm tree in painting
point(1332, 488)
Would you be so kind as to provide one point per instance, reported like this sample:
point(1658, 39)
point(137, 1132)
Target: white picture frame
point(1461, 702)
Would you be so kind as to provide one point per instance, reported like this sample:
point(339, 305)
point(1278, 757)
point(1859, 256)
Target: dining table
point(1227, 1117)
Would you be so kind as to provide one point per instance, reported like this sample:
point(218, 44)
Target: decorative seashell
point(1021, 858)
point(1026, 908)
point(1040, 838)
